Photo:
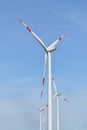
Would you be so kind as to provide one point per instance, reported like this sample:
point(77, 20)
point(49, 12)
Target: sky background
point(22, 58)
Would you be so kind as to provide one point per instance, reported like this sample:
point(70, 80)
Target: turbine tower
point(48, 51)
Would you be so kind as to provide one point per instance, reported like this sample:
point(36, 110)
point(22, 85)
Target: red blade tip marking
point(28, 28)
point(43, 81)
point(47, 105)
point(52, 78)
point(66, 100)
point(60, 38)
point(20, 20)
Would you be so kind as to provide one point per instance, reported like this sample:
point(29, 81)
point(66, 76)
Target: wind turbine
point(48, 51)
point(57, 95)
point(41, 110)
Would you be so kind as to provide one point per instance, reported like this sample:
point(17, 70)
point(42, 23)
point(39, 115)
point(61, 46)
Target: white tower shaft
point(40, 120)
point(49, 93)
point(57, 113)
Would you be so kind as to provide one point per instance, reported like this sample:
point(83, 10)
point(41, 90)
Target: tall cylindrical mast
point(49, 93)
point(40, 120)
point(57, 113)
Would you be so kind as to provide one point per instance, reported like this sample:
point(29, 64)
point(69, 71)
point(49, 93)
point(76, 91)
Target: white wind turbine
point(57, 96)
point(48, 51)
point(41, 110)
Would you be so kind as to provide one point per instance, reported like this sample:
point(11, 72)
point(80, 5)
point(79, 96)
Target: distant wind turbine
point(57, 96)
point(41, 110)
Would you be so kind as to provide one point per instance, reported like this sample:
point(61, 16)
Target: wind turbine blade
point(44, 73)
point(39, 40)
point(64, 98)
point(41, 93)
point(56, 95)
point(46, 105)
point(53, 96)
point(54, 84)
point(43, 108)
point(53, 45)
point(26, 26)
point(37, 106)
point(36, 37)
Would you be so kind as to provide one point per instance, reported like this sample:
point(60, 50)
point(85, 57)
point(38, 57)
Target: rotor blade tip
point(61, 37)
point(20, 20)
point(52, 78)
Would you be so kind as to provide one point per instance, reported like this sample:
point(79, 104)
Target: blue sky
point(21, 61)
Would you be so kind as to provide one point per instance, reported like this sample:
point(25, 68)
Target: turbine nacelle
point(56, 95)
point(50, 49)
